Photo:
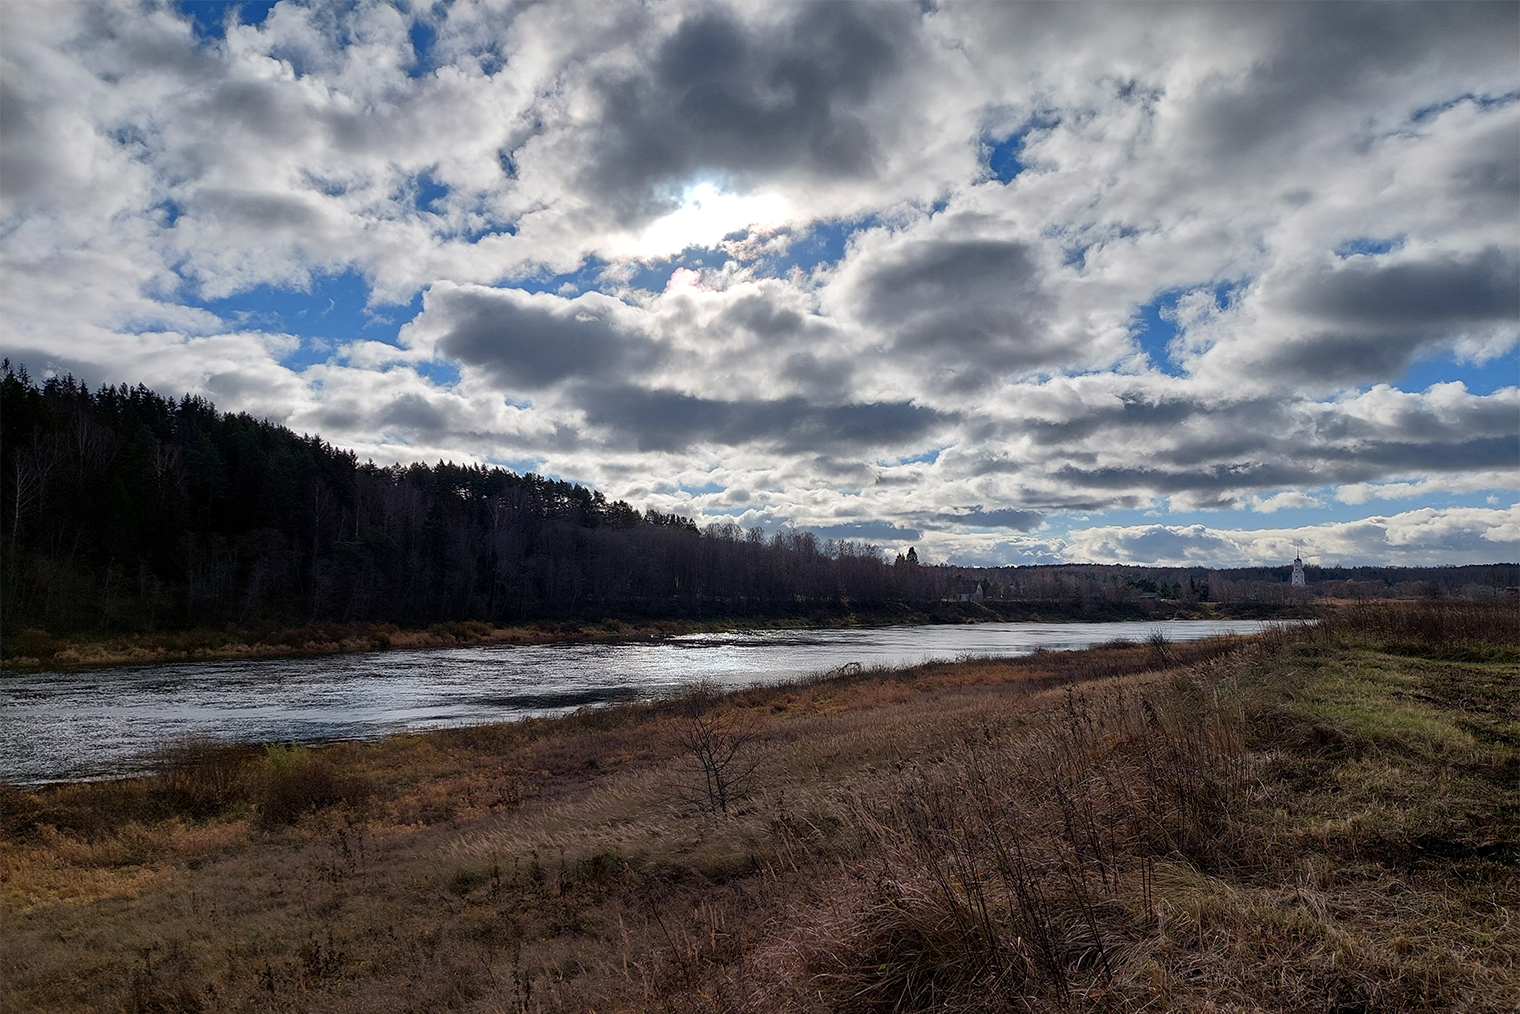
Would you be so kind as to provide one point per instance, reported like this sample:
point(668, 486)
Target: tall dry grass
point(1316, 820)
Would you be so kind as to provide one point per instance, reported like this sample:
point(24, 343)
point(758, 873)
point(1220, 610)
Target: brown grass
point(37, 649)
point(1320, 820)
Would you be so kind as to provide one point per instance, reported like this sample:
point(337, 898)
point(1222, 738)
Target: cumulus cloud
point(1424, 537)
point(962, 274)
point(529, 341)
point(746, 99)
point(667, 420)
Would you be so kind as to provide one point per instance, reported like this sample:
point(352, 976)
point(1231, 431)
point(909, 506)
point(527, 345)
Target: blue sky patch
point(1501, 371)
point(1005, 157)
point(822, 246)
point(440, 373)
point(522, 466)
point(1155, 327)
point(1003, 160)
point(422, 35)
point(429, 191)
point(1155, 324)
point(1367, 245)
point(1076, 256)
point(655, 275)
point(208, 16)
point(1484, 102)
point(332, 313)
point(586, 278)
point(928, 457)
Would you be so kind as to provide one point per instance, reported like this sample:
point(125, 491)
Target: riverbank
point(1316, 819)
point(34, 650)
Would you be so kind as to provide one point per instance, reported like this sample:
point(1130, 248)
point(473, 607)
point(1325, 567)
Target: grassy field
point(1319, 819)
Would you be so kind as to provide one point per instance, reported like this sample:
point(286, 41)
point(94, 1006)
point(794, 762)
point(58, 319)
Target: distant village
point(1266, 585)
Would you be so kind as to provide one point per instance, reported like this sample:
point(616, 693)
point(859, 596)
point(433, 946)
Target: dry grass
point(37, 649)
point(1320, 820)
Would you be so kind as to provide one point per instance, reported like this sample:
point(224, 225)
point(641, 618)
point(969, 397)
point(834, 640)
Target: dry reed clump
point(194, 781)
point(1289, 828)
point(1018, 870)
point(295, 781)
point(1454, 630)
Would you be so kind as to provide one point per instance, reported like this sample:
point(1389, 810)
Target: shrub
point(296, 781)
point(721, 743)
point(32, 643)
point(203, 778)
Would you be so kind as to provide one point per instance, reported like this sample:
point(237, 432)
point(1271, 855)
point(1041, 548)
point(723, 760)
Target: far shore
point(36, 650)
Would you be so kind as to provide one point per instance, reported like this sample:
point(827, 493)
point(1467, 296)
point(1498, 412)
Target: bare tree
point(722, 743)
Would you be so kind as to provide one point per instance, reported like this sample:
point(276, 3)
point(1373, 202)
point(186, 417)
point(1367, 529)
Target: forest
point(124, 510)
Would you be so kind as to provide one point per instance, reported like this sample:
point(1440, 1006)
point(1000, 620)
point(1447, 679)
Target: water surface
point(108, 722)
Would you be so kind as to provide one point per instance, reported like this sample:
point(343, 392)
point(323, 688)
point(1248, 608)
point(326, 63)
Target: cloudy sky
point(1011, 282)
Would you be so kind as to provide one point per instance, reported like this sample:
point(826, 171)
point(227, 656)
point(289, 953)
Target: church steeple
point(1298, 568)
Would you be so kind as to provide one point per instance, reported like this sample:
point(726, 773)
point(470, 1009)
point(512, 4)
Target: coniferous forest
point(126, 510)
point(122, 510)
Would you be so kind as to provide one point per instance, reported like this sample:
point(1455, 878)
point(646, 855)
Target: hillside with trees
point(122, 510)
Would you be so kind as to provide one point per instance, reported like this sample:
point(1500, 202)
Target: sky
point(1188, 284)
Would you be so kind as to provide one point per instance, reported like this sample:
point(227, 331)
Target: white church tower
point(1298, 568)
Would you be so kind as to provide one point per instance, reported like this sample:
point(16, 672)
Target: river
point(109, 722)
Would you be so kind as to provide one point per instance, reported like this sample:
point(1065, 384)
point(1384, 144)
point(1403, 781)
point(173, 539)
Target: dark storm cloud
point(1435, 456)
point(761, 317)
point(725, 97)
point(527, 343)
point(1491, 172)
point(973, 308)
point(1002, 517)
point(820, 377)
point(1301, 465)
point(1372, 315)
point(25, 169)
point(1324, 55)
point(884, 530)
point(1160, 543)
point(413, 412)
point(1233, 476)
point(667, 420)
point(812, 368)
point(1132, 412)
point(258, 107)
point(1439, 292)
point(254, 209)
point(1418, 422)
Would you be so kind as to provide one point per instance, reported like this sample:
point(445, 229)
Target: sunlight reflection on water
point(106, 722)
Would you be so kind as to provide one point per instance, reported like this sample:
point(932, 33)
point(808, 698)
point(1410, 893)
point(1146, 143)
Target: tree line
point(122, 510)
point(1116, 583)
point(126, 510)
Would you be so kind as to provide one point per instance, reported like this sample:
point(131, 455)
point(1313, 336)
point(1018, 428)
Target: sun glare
point(705, 216)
